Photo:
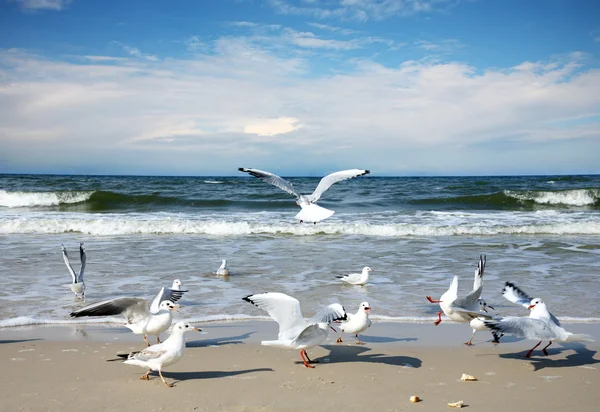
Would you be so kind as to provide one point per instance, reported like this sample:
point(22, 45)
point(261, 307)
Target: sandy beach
point(63, 368)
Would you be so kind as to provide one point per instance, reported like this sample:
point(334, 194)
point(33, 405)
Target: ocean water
point(140, 233)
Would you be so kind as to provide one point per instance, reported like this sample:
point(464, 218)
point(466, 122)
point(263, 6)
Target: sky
point(300, 87)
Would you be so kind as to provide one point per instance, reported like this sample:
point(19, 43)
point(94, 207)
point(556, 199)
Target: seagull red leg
point(531, 350)
point(302, 352)
point(439, 319)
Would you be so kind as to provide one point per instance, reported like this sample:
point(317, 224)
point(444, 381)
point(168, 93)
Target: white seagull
point(294, 331)
point(223, 270)
point(310, 212)
point(462, 309)
point(141, 318)
point(357, 278)
point(167, 353)
point(538, 326)
point(515, 295)
point(356, 323)
point(77, 285)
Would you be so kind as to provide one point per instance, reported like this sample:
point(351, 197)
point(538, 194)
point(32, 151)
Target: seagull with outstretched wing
point(310, 212)
point(294, 331)
point(77, 285)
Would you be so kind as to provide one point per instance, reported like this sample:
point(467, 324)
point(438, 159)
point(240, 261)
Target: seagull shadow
point(379, 339)
point(18, 340)
point(346, 354)
point(582, 357)
point(230, 340)
point(185, 376)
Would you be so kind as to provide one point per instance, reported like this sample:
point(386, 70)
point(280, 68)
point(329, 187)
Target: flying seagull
point(310, 212)
point(77, 285)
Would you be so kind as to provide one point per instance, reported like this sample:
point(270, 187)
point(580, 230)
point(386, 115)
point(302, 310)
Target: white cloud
point(360, 10)
point(238, 102)
point(272, 127)
point(43, 4)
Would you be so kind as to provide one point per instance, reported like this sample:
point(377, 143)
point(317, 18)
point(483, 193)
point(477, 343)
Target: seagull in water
point(310, 212)
point(141, 318)
point(538, 326)
point(294, 331)
point(77, 285)
point(357, 278)
point(463, 309)
point(156, 357)
point(223, 270)
point(356, 323)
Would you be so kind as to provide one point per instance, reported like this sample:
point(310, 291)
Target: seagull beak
point(368, 310)
point(491, 307)
point(531, 307)
point(175, 308)
point(484, 310)
point(198, 329)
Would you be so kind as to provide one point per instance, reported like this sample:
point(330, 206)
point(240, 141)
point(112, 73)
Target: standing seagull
point(223, 270)
point(294, 331)
point(538, 326)
point(158, 356)
point(142, 319)
point(356, 323)
point(77, 285)
point(357, 278)
point(310, 212)
point(462, 309)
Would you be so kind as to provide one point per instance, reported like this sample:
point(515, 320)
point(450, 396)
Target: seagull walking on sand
point(294, 331)
point(142, 319)
point(538, 326)
point(357, 278)
point(310, 212)
point(77, 285)
point(463, 309)
point(167, 353)
point(356, 323)
point(223, 270)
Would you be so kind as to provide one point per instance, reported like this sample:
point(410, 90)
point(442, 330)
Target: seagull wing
point(512, 293)
point(148, 354)
point(469, 302)
point(332, 178)
point(272, 179)
point(529, 328)
point(283, 309)
point(83, 258)
point(134, 309)
point(165, 294)
point(329, 314)
point(479, 273)
point(66, 259)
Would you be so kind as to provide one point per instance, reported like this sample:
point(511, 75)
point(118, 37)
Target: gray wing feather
point(83, 257)
point(132, 308)
point(332, 178)
point(165, 294)
point(515, 295)
point(479, 272)
point(331, 313)
point(271, 179)
point(470, 301)
point(529, 328)
point(66, 259)
point(147, 354)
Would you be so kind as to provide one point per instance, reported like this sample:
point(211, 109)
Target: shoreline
point(57, 368)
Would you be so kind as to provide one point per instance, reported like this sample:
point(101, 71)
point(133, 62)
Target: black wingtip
point(73, 314)
point(241, 169)
point(339, 276)
point(248, 299)
point(366, 172)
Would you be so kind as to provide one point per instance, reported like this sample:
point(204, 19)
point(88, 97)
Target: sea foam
point(37, 199)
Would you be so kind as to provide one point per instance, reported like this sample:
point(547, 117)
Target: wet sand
point(62, 368)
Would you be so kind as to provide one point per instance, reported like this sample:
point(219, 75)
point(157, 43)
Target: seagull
point(223, 270)
point(310, 212)
point(477, 324)
point(356, 323)
point(77, 285)
point(462, 309)
point(538, 326)
point(357, 278)
point(163, 354)
point(141, 319)
point(294, 331)
point(516, 295)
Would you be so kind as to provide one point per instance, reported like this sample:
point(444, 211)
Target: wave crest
point(36, 199)
point(573, 197)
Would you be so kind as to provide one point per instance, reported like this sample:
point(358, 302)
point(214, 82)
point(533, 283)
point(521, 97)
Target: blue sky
point(300, 87)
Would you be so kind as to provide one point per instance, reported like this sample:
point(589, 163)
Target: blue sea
point(140, 233)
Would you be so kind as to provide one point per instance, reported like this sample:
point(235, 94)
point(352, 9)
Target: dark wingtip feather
point(249, 299)
point(366, 172)
point(339, 276)
point(242, 169)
